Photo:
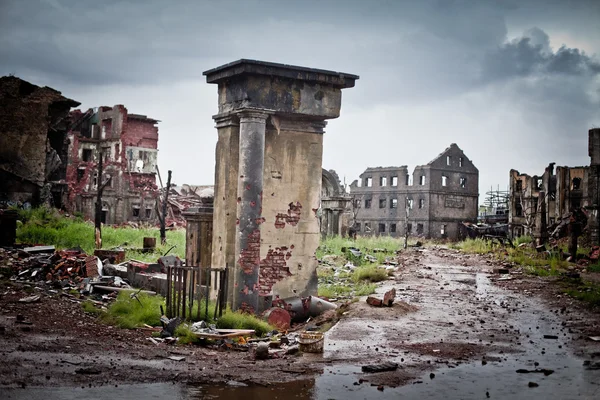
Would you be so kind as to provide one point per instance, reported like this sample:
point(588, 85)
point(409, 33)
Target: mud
point(453, 318)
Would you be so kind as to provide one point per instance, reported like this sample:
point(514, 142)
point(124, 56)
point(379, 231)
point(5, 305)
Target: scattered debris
point(387, 301)
point(383, 367)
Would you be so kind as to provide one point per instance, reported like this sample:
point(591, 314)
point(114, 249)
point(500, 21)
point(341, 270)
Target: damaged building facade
point(128, 145)
point(270, 124)
point(34, 122)
point(538, 203)
point(432, 202)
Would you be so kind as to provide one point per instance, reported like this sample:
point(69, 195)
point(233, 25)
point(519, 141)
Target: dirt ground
point(450, 309)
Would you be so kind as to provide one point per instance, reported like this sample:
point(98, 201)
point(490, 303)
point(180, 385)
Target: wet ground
point(457, 331)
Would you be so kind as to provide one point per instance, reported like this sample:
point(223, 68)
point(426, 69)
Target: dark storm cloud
point(529, 56)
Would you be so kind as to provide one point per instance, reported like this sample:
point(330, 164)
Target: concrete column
point(250, 192)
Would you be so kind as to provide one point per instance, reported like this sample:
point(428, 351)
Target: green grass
point(369, 273)
point(522, 239)
point(474, 246)
point(332, 291)
point(185, 335)
point(238, 320)
point(594, 268)
point(50, 227)
point(129, 313)
point(587, 292)
point(90, 308)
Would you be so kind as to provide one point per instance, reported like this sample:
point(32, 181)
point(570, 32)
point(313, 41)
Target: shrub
point(370, 273)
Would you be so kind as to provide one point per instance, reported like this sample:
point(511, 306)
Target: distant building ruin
point(334, 216)
point(431, 203)
point(270, 125)
point(538, 202)
point(33, 143)
point(128, 144)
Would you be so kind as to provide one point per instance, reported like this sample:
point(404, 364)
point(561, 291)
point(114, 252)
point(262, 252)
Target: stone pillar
point(594, 185)
point(198, 237)
point(268, 175)
point(249, 210)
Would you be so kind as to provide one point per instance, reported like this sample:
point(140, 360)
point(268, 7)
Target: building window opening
point(539, 183)
point(359, 183)
point(518, 208)
point(444, 180)
point(367, 227)
point(409, 180)
point(448, 160)
point(369, 182)
point(95, 180)
point(393, 203)
point(460, 162)
point(135, 211)
point(148, 213)
point(519, 185)
point(381, 228)
point(421, 203)
point(382, 203)
point(576, 184)
point(80, 174)
point(367, 203)
point(409, 204)
point(463, 182)
point(357, 227)
point(408, 228)
point(382, 181)
point(394, 181)
point(419, 229)
point(392, 228)
point(86, 155)
point(443, 230)
point(422, 180)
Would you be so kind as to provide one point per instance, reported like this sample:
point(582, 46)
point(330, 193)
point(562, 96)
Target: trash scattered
point(30, 299)
point(312, 342)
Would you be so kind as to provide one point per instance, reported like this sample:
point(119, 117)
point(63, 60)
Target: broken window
point(539, 183)
point(519, 185)
point(367, 227)
point(408, 228)
point(95, 180)
point(460, 162)
point(80, 174)
point(382, 181)
point(359, 183)
point(86, 155)
point(444, 180)
point(392, 228)
point(148, 212)
point(448, 160)
point(422, 180)
point(368, 182)
point(117, 150)
point(135, 211)
point(552, 195)
point(443, 230)
point(576, 184)
point(394, 181)
point(381, 228)
point(409, 203)
point(463, 182)
point(382, 203)
point(393, 203)
point(408, 180)
point(419, 229)
point(518, 208)
point(106, 153)
point(367, 203)
point(357, 227)
point(421, 203)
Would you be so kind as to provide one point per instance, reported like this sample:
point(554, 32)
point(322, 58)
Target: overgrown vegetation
point(587, 292)
point(50, 227)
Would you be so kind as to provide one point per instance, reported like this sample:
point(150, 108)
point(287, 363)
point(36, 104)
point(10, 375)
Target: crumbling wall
point(32, 142)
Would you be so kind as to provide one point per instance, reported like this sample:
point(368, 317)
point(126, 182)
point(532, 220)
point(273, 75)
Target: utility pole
point(98, 210)
point(163, 233)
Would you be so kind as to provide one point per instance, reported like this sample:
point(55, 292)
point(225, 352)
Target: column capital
point(226, 119)
point(254, 115)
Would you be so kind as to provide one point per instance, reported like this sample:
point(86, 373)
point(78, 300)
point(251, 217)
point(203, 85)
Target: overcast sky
point(516, 84)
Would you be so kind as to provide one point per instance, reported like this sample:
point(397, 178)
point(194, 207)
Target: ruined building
point(538, 202)
point(128, 144)
point(334, 204)
point(431, 203)
point(33, 143)
point(270, 124)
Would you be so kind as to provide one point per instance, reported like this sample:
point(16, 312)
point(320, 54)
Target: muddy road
point(457, 330)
